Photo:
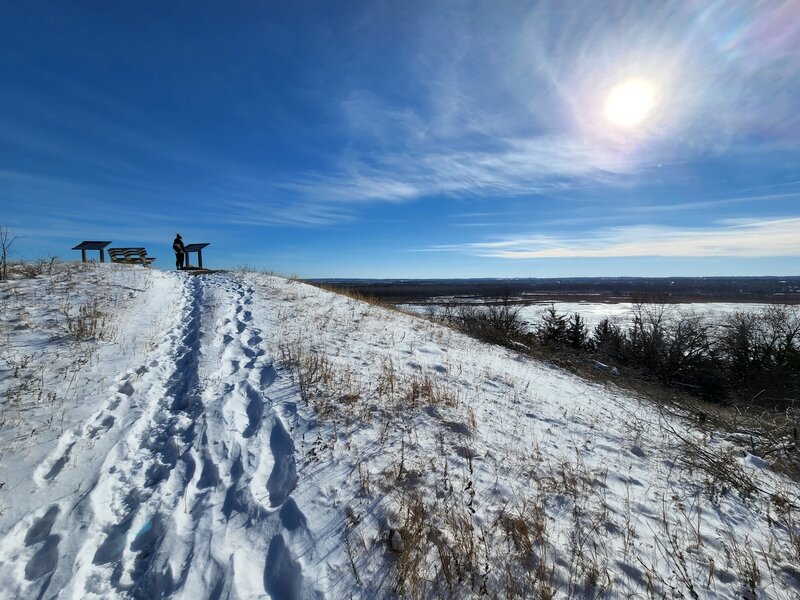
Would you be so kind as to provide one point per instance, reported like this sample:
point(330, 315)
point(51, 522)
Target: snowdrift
point(241, 435)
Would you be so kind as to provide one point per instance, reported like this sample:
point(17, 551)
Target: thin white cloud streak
point(732, 238)
point(269, 213)
point(702, 204)
point(527, 166)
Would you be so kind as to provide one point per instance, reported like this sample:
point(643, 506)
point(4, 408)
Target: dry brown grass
point(358, 296)
point(553, 538)
point(41, 386)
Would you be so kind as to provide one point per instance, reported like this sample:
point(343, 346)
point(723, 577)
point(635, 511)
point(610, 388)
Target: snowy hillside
point(246, 436)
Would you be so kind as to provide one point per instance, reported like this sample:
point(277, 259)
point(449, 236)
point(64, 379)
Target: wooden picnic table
point(195, 248)
point(91, 245)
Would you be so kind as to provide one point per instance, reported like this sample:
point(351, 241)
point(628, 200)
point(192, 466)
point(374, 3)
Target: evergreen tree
point(553, 327)
point(608, 339)
point(576, 332)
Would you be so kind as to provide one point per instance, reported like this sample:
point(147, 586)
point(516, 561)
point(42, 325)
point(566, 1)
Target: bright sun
point(630, 102)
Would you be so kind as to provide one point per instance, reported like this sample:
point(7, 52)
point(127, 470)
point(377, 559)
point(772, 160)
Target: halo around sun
point(630, 103)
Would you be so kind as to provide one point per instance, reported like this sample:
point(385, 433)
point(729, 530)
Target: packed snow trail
point(193, 497)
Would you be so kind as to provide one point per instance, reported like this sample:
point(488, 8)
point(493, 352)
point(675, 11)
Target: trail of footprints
point(199, 436)
point(259, 450)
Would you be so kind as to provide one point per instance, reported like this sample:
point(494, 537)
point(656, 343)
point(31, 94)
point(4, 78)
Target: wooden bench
point(130, 256)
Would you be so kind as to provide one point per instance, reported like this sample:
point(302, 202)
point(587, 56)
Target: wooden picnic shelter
point(92, 245)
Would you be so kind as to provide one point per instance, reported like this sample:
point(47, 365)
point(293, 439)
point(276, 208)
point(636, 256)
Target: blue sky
point(407, 139)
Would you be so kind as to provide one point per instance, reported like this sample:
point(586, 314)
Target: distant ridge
point(608, 289)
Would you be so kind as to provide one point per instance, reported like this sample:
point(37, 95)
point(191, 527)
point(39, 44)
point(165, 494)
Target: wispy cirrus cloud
point(730, 238)
point(513, 167)
point(490, 115)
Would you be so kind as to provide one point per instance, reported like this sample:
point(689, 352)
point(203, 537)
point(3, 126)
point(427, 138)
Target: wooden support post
point(200, 258)
point(102, 256)
point(83, 255)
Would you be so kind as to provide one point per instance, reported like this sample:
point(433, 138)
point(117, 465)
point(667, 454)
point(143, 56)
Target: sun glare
point(630, 103)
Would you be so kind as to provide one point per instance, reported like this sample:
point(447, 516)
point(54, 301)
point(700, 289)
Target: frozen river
point(594, 312)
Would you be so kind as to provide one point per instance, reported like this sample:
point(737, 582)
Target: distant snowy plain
point(240, 435)
point(617, 312)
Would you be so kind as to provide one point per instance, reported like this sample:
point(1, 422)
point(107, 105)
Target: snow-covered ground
point(246, 436)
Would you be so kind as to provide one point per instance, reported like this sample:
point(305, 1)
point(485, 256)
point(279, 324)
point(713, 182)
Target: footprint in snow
point(254, 410)
point(105, 424)
point(59, 463)
point(283, 478)
point(209, 474)
point(44, 561)
point(267, 376)
point(291, 516)
point(637, 451)
point(458, 428)
point(150, 582)
point(113, 546)
point(282, 574)
point(40, 528)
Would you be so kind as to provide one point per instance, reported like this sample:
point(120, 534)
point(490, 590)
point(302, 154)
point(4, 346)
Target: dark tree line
point(745, 356)
point(675, 289)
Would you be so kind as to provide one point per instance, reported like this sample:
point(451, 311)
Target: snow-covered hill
point(247, 436)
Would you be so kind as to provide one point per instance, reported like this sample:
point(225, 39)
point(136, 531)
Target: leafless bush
point(40, 266)
point(7, 239)
point(497, 323)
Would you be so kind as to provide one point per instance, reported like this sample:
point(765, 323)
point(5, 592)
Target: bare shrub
point(762, 352)
point(40, 266)
point(7, 239)
point(496, 323)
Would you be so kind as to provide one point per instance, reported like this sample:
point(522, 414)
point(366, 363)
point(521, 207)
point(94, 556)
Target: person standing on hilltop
point(180, 251)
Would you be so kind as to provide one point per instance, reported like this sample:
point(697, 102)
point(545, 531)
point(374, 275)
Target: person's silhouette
point(180, 251)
